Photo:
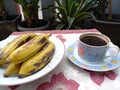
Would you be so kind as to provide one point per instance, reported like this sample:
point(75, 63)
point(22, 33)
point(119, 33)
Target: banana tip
point(20, 76)
point(5, 75)
point(7, 62)
point(49, 34)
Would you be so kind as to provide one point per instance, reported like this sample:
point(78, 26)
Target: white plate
point(110, 63)
point(58, 55)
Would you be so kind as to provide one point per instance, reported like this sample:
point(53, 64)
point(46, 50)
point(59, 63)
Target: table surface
point(67, 76)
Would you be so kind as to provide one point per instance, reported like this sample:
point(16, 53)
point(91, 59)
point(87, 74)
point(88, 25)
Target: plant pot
point(43, 25)
point(9, 26)
point(111, 29)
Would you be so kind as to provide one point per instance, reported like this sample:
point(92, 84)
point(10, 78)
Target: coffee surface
point(93, 40)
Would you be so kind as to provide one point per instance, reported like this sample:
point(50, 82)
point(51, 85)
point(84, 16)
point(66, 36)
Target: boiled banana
point(12, 70)
point(10, 47)
point(38, 61)
point(29, 49)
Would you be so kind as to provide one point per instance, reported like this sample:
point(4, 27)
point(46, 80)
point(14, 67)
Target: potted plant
point(107, 23)
point(30, 12)
point(8, 23)
point(70, 14)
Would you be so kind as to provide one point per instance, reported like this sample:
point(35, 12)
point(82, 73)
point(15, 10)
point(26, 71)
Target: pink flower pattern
point(13, 87)
point(59, 82)
point(61, 38)
point(98, 77)
point(81, 50)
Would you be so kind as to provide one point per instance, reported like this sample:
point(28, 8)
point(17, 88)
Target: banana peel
point(38, 61)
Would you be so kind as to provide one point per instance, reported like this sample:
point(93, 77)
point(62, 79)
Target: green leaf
point(83, 16)
point(34, 2)
point(79, 6)
point(64, 4)
point(86, 5)
point(70, 22)
point(60, 26)
point(72, 8)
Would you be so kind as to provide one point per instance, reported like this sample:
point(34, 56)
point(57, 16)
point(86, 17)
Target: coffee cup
point(93, 47)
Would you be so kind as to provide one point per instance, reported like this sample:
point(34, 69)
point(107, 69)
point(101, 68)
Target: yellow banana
point(38, 61)
point(10, 47)
point(29, 49)
point(12, 70)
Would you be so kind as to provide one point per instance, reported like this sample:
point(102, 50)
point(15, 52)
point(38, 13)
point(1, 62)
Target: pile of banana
point(26, 54)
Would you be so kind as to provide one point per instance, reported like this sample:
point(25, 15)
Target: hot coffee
point(93, 40)
point(92, 47)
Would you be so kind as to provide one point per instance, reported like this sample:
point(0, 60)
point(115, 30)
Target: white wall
point(116, 6)
point(10, 6)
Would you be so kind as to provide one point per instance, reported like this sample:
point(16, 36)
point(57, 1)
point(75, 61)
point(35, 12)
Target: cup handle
point(113, 50)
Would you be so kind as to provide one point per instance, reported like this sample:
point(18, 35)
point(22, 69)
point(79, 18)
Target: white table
point(67, 76)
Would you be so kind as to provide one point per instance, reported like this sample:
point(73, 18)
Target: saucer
point(110, 63)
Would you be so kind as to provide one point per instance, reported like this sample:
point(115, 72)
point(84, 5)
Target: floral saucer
point(110, 63)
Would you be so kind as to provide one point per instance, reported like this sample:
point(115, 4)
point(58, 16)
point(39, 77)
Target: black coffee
point(93, 40)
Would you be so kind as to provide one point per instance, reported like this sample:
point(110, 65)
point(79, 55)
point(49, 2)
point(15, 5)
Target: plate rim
point(83, 66)
point(23, 80)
